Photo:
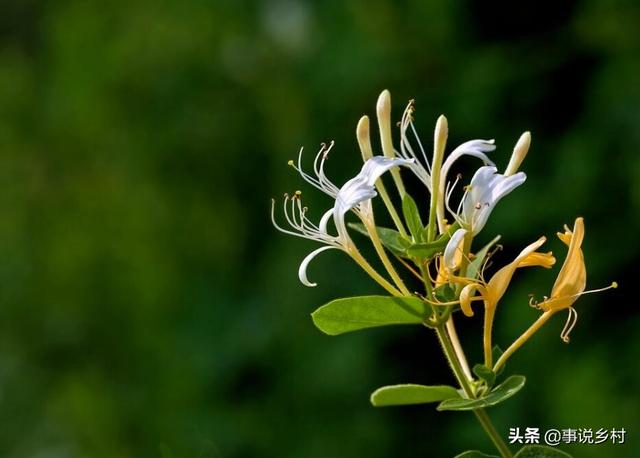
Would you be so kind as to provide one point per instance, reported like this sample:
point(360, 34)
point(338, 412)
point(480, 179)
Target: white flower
point(355, 194)
point(476, 148)
point(485, 191)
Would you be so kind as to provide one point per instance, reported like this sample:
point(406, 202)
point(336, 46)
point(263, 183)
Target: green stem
point(521, 340)
point(485, 421)
point(480, 414)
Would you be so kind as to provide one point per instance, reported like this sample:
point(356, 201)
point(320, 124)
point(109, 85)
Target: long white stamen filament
point(424, 154)
point(407, 152)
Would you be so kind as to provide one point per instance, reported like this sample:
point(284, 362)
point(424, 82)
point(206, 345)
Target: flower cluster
point(440, 253)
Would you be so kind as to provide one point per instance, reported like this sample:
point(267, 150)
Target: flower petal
point(485, 191)
point(362, 188)
point(453, 250)
point(498, 284)
point(302, 271)
point(476, 148)
point(572, 278)
point(465, 298)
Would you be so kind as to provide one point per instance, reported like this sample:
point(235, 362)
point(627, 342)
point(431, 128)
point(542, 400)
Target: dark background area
point(147, 306)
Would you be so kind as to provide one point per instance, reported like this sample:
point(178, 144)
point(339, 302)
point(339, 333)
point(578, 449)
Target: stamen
point(449, 191)
point(424, 154)
point(613, 285)
point(428, 270)
point(572, 319)
point(533, 302)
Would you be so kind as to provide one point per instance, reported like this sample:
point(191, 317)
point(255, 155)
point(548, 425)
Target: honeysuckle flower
point(355, 195)
point(571, 280)
point(492, 292)
point(422, 168)
point(481, 196)
point(569, 285)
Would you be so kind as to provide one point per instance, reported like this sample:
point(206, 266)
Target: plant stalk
point(480, 414)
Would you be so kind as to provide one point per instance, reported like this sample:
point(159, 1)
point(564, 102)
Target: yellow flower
point(492, 292)
point(572, 278)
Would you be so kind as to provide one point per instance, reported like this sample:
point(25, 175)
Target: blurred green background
point(148, 307)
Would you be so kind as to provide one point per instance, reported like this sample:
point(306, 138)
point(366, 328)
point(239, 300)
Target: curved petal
point(453, 250)
point(325, 220)
point(498, 284)
point(377, 165)
point(466, 295)
point(507, 184)
point(362, 188)
point(302, 270)
point(476, 148)
point(572, 278)
point(485, 191)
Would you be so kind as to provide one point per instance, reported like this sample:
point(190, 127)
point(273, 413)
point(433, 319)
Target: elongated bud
point(439, 143)
point(519, 153)
point(364, 139)
point(383, 110)
point(440, 138)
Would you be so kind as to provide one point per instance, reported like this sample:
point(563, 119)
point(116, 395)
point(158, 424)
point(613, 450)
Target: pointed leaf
point(473, 270)
point(485, 374)
point(427, 250)
point(391, 239)
point(475, 454)
point(500, 393)
point(354, 313)
point(445, 293)
point(412, 217)
point(406, 394)
point(540, 451)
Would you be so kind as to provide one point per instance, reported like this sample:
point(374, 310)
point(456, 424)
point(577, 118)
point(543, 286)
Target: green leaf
point(354, 313)
point(500, 393)
point(485, 374)
point(445, 293)
point(475, 454)
point(425, 250)
point(473, 270)
point(412, 217)
point(399, 395)
point(391, 239)
point(540, 451)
